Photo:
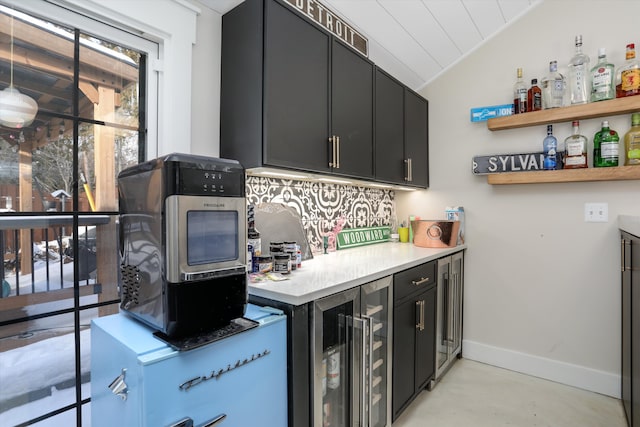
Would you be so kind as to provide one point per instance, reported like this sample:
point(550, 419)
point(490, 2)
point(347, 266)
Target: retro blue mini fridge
point(237, 381)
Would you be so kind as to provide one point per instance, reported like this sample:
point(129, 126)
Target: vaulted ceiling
point(416, 40)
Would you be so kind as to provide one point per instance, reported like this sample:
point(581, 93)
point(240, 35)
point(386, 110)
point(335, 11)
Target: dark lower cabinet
point(414, 328)
point(631, 328)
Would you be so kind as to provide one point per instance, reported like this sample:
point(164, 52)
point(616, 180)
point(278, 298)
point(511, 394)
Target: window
point(58, 199)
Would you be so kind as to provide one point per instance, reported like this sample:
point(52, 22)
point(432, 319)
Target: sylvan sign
point(497, 163)
point(331, 22)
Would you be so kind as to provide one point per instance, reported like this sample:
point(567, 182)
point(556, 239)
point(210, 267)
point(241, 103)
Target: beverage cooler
point(351, 353)
point(449, 312)
point(236, 381)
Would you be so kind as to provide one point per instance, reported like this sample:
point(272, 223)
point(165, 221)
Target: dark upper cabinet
point(352, 111)
point(401, 133)
point(287, 88)
point(389, 129)
point(416, 138)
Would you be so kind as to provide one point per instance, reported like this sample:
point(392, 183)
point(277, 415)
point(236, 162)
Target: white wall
point(542, 288)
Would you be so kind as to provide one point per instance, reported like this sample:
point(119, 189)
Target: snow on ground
point(39, 367)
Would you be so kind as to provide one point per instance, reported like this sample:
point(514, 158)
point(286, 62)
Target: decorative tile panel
point(325, 208)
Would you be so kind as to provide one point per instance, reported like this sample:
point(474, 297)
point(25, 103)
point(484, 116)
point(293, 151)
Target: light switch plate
point(596, 212)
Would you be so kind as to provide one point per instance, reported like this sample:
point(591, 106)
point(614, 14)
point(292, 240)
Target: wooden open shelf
point(612, 107)
point(619, 173)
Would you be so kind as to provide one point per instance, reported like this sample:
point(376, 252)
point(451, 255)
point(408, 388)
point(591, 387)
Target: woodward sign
point(352, 237)
point(332, 23)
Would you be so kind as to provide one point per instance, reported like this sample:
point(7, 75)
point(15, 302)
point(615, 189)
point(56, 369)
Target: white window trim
point(163, 29)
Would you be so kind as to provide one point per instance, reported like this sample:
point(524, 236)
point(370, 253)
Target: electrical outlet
point(596, 212)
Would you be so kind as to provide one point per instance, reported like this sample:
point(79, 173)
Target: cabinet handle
point(406, 167)
point(337, 152)
point(332, 141)
point(421, 281)
point(623, 249)
point(418, 315)
point(410, 170)
point(422, 317)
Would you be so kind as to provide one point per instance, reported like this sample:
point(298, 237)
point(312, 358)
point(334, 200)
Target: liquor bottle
point(628, 75)
point(576, 149)
point(553, 87)
point(602, 78)
point(519, 95)
point(632, 142)
point(534, 96)
point(549, 147)
point(605, 147)
point(579, 85)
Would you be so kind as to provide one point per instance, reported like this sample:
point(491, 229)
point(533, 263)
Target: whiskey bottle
point(519, 94)
point(628, 75)
point(579, 75)
point(602, 78)
point(553, 88)
point(605, 147)
point(534, 96)
point(576, 149)
point(549, 147)
point(632, 142)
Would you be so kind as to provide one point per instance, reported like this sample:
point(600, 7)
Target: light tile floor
point(474, 394)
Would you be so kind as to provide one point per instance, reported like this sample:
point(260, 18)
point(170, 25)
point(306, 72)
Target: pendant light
point(16, 109)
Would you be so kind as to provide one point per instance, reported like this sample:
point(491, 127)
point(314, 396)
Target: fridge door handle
point(363, 367)
point(214, 422)
point(370, 371)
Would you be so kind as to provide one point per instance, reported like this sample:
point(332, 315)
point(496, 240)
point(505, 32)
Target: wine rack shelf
point(619, 173)
point(593, 110)
point(612, 107)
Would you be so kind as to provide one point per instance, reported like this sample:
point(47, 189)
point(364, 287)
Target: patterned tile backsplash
point(325, 208)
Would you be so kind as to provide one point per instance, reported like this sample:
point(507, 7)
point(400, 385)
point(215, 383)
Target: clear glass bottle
point(602, 78)
point(553, 88)
point(605, 146)
point(579, 85)
point(519, 94)
point(628, 75)
point(549, 147)
point(632, 142)
point(576, 149)
point(534, 96)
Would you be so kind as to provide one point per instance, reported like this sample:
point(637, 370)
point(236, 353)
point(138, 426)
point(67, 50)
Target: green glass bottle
point(605, 146)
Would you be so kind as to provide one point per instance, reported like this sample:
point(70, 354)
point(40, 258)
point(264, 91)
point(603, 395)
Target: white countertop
point(344, 269)
point(630, 224)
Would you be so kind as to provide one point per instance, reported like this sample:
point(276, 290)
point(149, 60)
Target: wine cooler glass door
point(376, 314)
point(443, 342)
point(337, 347)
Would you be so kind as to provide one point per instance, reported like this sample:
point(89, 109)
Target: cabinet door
point(405, 321)
point(389, 129)
point(296, 91)
point(425, 339)
point(352, 111)
point(416, 138)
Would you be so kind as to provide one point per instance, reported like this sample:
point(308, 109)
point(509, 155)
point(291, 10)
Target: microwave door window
point(212, 236)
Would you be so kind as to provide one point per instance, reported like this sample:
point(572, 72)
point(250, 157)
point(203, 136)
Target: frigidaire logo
point(214, 205)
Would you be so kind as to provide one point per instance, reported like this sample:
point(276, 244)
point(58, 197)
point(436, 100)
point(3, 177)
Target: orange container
point(435, 234)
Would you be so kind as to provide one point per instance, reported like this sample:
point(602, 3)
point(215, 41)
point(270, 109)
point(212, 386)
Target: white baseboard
point(565, 373)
